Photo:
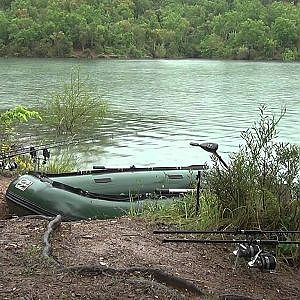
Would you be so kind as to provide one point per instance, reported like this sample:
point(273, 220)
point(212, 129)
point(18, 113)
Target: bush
point(74, 109)
point(8, 120)
point(289, 55)
point(260, 188)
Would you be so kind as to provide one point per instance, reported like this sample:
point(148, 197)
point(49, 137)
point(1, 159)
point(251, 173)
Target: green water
point(158, 106)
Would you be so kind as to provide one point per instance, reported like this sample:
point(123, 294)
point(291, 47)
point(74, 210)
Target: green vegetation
point(260, 188)
point(63, 161)
point(231, 29)
point(9, 119)
point(68, 112)
point(74, 109)
point(14, 116)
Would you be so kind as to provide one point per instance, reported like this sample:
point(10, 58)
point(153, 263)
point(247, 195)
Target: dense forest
point(229, 29)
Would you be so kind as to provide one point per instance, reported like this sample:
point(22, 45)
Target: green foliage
point(181, 212)
point(12, 117)
point(9, 119)
point(289, 55)
point(261, 186)
point(74, 109)
point(64, 162)
point(18, 114)
point(148, 28)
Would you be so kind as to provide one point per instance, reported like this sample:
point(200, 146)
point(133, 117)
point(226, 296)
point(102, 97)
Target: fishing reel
point(34, 155)
point(10, 166)
point(264, 261)
point(247, 251)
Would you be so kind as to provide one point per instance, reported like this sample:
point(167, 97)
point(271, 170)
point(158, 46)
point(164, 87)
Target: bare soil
point(123, 259)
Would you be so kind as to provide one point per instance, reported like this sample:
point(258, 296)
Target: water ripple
point(158, 107)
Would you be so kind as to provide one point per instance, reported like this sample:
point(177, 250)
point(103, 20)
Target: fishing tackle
point(46, 155)
point(32, 150)
point(249, 248)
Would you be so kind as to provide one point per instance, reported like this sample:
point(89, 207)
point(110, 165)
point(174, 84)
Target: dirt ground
point(123, 259)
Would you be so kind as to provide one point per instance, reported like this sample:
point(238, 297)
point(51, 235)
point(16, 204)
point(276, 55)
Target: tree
point(74, 108)
point(252, 35)
point(285, 31)
point(4, 27)
point(140, 7)
point(61, 45)
point(10, 118)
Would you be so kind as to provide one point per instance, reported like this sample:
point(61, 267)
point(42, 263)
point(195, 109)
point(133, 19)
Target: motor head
point(209, 147)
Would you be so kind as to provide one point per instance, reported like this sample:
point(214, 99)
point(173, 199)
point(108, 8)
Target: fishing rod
point(252, 242)
point(249, 248)
point(230, 232)
point(32, 150)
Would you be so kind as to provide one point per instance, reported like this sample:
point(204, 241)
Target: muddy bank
point(119, 251)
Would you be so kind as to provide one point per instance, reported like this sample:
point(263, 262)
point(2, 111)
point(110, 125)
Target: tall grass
point(181, 212)
point(65, 161)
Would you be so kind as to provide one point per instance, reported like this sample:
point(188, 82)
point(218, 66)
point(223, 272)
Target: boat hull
point(95, 194)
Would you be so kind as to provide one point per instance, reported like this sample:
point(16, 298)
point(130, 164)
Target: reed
point(61, 162)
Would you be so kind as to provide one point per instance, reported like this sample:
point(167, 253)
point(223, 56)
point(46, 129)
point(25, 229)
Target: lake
point(157, 107)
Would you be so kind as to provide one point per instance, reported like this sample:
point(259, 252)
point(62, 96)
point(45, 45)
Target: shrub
point(8, 120)
point(74, 109)
point(289, 55)
point(260, 188)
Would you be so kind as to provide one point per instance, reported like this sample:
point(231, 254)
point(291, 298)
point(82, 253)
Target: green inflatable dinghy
point(99, 193)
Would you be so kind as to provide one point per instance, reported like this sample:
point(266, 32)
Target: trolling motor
point(249, 248)
point(211, 148)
